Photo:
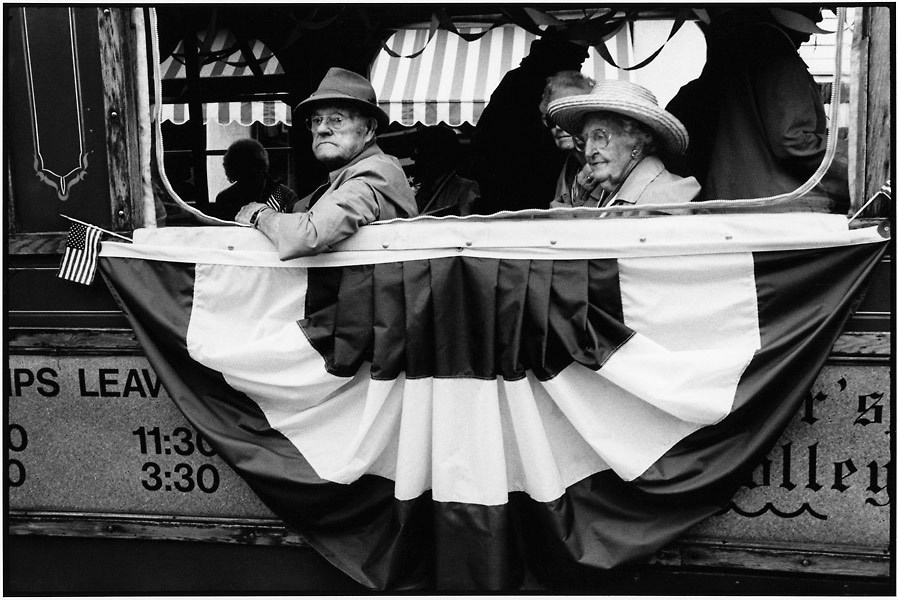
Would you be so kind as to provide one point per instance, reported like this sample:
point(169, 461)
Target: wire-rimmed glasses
point(599, 137)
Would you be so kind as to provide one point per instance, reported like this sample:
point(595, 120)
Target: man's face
point(339, 135)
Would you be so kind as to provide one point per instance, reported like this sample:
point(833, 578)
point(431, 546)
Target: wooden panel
point(707, 553)
point(871, 348)
point(798, 558)
point(118, 70)
point(874, 312)
point(263, 532)
point(879, 132)
point(56, 90)
point(37, 298)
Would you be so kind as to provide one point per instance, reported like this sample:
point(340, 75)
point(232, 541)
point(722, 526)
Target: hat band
point(322, 91)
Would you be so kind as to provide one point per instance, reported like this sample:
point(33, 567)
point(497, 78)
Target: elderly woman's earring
point(634, 153)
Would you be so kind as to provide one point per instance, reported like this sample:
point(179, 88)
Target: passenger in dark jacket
point(515, 157)
point(246, 167)
point(755, 115)
point(439, 189)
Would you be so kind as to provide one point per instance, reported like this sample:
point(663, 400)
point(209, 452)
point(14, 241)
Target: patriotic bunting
point(458, 404)
point(79, 262)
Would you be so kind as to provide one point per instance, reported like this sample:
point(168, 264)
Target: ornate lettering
point(863, 407)
point(841, 476)
point(874, 482)
point(787, 467)
point(765, 475)
point(809, 401)
point(812, 468)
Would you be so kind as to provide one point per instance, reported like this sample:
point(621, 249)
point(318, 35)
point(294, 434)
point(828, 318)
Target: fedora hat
point(625, 98)
point(345, 86)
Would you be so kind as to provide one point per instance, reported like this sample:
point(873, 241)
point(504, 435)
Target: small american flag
point(79, 263)
point(276, 199)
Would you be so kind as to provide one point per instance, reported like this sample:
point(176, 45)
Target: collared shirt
point(371, 187)
point(651, 183)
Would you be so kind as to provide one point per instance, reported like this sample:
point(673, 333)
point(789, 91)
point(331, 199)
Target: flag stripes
point(276, 199)
point(79, 262)
point(439, 474)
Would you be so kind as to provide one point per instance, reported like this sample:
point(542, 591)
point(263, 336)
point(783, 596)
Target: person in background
point(515, 158)
point(440, 189)
point(575, 185)
point(623, 133)
point(246, 167)
point(363, 185)
point(755, 114)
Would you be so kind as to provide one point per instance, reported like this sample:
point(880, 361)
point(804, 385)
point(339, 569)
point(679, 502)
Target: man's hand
point(247, 211)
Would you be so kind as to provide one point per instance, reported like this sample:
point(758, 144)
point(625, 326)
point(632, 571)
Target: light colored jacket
point(651, 183)
point(371, 187)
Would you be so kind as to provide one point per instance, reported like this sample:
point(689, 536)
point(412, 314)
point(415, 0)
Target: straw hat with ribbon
point(348, 87)
point(625, 98)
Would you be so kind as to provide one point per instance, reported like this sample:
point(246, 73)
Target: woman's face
point(563, 140)
point(608, 154)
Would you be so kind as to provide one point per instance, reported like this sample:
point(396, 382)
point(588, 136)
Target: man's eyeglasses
point(599, 137)
point(332, 122)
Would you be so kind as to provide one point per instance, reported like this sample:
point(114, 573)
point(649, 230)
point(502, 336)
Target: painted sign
point(825, 481)
point(99, 434)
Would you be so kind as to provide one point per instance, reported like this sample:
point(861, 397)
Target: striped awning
point(267, 112)
point(222, 58)
point(452, 80)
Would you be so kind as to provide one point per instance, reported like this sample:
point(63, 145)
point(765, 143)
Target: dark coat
point(755, 116)
point(515, 157)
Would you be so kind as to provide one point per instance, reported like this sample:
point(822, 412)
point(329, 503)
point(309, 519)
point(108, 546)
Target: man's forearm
point(267, 223)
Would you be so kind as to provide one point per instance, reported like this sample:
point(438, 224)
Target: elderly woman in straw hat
point(624, 134)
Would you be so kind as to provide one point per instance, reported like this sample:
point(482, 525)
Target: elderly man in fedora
point(363, 185)
point(625, 136)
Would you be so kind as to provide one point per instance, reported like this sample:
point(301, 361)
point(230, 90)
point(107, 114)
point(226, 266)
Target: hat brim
point(309, 104)
point(570, 112)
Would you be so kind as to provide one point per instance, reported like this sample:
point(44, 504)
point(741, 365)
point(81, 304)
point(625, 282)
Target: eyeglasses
point(549, 122)
point(599, 137)
point(333, 122)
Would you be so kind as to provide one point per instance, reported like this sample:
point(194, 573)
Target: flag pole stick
point(95, 227)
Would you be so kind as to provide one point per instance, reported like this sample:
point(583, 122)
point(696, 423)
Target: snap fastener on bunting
point(468, 243)
point(385, 245)
point(729, 237)
point(553, 242)
point(642, 239)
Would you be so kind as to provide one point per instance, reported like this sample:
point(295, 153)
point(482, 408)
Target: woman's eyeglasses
point(599, 137)
point(549, 122)
point(333, 122)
